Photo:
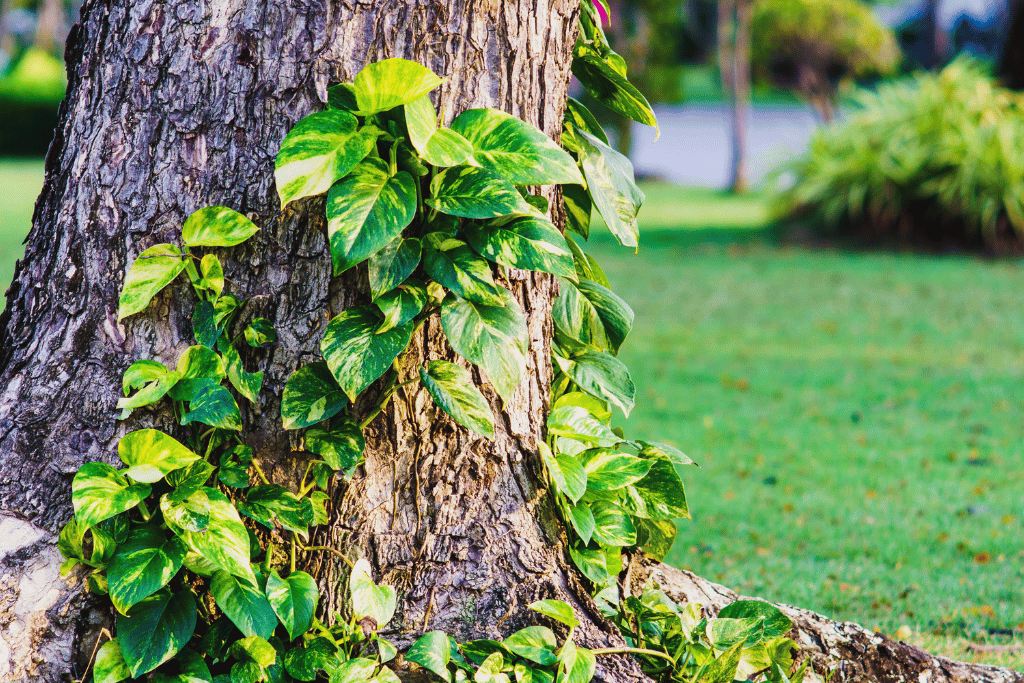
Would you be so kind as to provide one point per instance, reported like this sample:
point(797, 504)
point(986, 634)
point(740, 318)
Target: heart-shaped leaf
point(557, 610)
point(216, 407)
point(471, 192)
point(356, 354)
point(366, 211)
point(603, 376)
point(225, 543)
point(244, 604)
point(567, 474)
point(610, 181)
point(198, 368)
point(187, 508)
point(401, 304)
point(452, 264)
point(99, 492)
point(525, 242)
point(156, 629)
point(612, 89)
point(110, 666)
point(153, 380)
point(248, 384)
point(293, 600)
point(311, 395)
point(611, 471)
point(150, 454)
point(393, 264)
point(432, 651)
point(576, 423)
point(612, 525)
point(593, 315)
point(659, 495)
point(142, 565)
point(492, 337)
point(217, 226)
point(320, 150)
point(390, 83)
point(368, 599)
point(341, 448)
point(536, 643)
point(153, 270)
point(452, 389)
point(514, 149)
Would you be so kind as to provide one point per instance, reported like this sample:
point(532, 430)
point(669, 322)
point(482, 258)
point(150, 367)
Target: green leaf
point(190, 669)
point(272, 503)
point(70, 539)
point(401, 304)
point(722, 669)
point(303, 663)
point(110, 666)
point(99, 492)
point(187, 508)
point(612, 188)
point(217, 226)
point(390, 83)
point(213, 275)
point(593, 315)
point(582, 119)
point(655, 536)
point(591, 563)
point(153, 380)
point(576, 423)
point(216, 407)
point(156, 629)
point(293, 600)
point(224, 308)
point(603, 376)
point(342, 97)
point(321, 149)
point(582, 520)
point(366, 211)
point(341, 448)
point(386, 649)
point(254, 658)
point(438, 147)
point(612, 526)
point(368, 599)
point(244, 604)
point(578, 209)
point(248, 384)
point(611, 471)
point(566, 473)
point(492, 337)
point(536, 643)
point(557, 610)
point(356, 354)
point(260, 332)
point(204, 324)
point(595, 406)
point(514, 149)
point(311, 395)
point(587, 267)
point(142, 565)
point(490, 670)
point(659, 495)
point(225, 543)
point(393, 264)
point(153, 270)
point(525, 242)
point(316, 503)
point(654, 449)
point(581, 669)
point(776, 623)
point(612, 89)
point(452, 389)
point(432, 651)
point(471, 192)
point(199, 367)
point(452, 264)
point(363, 670)
point(150, 454)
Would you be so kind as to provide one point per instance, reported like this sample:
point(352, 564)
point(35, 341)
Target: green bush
point(29, 97)
point(936, 159)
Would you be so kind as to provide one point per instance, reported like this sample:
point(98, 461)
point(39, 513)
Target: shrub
point(29, 96)
point(936, 159)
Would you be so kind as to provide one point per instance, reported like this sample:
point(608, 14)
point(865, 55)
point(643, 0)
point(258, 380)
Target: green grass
point(856, 416)
point(20, 182)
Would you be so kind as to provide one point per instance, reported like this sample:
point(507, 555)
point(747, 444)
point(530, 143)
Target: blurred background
point(827, 314)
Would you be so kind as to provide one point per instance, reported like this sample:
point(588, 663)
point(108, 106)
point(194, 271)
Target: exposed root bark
point(854, 653)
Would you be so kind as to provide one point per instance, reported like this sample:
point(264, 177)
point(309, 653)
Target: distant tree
point(1011, 65)
point(811, 47)
point(734, 20)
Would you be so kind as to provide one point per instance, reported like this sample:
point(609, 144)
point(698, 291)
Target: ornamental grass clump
point(936, 160)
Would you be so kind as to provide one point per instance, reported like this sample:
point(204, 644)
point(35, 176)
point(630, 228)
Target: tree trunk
point(1011, 62)
point(171, 107)
point(740, 95)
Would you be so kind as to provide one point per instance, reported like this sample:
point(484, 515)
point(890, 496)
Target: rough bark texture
point(853, 653)
point(174, 106)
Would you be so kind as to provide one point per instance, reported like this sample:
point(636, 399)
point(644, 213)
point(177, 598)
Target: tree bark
point(172, 107)
point(740, 95)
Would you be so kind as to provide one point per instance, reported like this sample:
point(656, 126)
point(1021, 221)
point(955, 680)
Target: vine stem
point(330, 550)
point(295, 542)
point(260, 472)
point(383, 402)
point(631, 650)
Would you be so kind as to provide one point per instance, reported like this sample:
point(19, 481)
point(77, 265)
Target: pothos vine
point(438, 215)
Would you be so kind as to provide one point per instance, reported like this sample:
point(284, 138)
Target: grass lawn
point(856, 416)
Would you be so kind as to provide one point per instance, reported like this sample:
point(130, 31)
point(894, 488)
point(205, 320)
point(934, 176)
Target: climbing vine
point(438, 215)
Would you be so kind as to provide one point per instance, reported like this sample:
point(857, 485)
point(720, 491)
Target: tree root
point(854, 653)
